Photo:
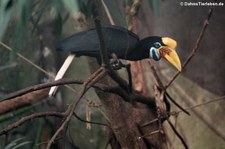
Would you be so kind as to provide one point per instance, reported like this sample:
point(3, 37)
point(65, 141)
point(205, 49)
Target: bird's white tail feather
point(61, 73)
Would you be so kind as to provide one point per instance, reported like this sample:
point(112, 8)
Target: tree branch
point(202, 115)
point(30, 117)
point(99, 74)
point(26, 90)
point(17, 100)
point(161, 86)
point(20, 101)
point(177, 133)
point(196, 47)
point(90, 122)
point(98, 26)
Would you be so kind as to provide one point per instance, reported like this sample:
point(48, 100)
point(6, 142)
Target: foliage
point(19, 24)
point(26, 12)
point(15, 144)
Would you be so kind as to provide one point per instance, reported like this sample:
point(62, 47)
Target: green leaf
point(129, 2)
point(155, 6)
point(72, 6)
point(21, 144)
point(15, 144)
point(57, 8)
point(24, 10)
point(39, 13)
point(39, 130)
point(115, 12)
point(5, 15)
point(58, 24)
point(86, 7)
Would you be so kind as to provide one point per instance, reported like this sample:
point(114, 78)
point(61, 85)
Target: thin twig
point(132, 97)
point(100, 73)
point(27, 60)
point(158, 80)
point(174, 136)
point(35, 66)
point(150, 134)
point(202, 115)
point(30, 117)
point(156, 76)
point(108, 13)
point(26, 90)
point(199, 105)
point(45, 142)
point(196, 47)
point(178, 105)
point(178, 134)
point(17, 96)
point(90, 122)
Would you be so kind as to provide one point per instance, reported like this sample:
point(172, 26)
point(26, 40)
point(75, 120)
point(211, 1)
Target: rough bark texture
point(117, 112)
point(127, 120)
point(142, 111)
point(27, 99)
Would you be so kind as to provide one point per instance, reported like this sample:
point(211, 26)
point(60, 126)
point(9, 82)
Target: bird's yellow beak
point(168, 52)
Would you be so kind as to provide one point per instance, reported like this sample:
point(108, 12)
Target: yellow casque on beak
point(168, 52)
point(170, 55)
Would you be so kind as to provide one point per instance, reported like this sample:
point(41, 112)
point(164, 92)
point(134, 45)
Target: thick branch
point(30, 117)
point(28, 99)
point(41, 86)
point(99, 74)
point(18, 100)
point(103, 50)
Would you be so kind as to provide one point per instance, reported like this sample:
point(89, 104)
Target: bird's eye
point(157, 45)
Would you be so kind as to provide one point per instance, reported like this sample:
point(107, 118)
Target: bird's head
point(164, 47)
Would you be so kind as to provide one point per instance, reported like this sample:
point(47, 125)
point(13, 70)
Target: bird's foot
point(116, 64)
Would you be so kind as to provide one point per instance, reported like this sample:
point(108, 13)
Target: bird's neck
point(141, 51)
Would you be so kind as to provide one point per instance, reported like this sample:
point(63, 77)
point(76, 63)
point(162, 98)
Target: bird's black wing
point(118, 40)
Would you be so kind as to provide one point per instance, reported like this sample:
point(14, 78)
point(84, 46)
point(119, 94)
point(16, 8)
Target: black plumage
point(124, 43)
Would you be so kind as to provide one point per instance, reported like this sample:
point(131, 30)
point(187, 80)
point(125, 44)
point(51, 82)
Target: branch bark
point(138, 113)
point(95, 77)
point(30, 117)
point(36, 93)
point(28, 99)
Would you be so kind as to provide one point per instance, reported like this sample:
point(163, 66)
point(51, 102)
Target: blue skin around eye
point(155, 54)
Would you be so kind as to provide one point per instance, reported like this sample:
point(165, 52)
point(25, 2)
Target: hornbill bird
point(119, 41)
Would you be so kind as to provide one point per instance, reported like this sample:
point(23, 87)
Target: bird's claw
point(116, 64)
